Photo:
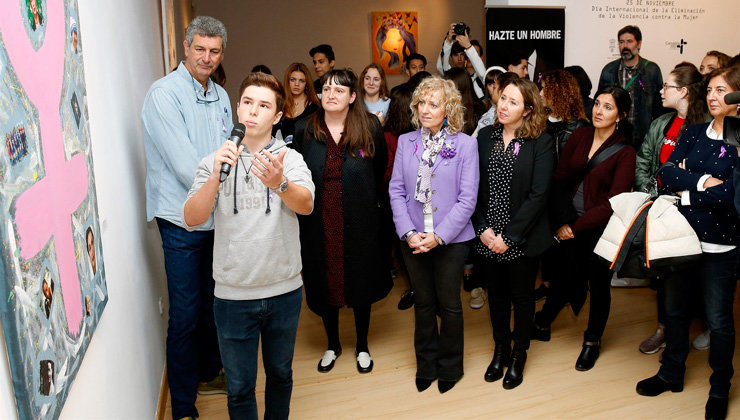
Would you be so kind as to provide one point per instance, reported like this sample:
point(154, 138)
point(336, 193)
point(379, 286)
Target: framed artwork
point(395, 36)
point(52, 284)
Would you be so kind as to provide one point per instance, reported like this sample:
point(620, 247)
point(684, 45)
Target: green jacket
point(648, 157)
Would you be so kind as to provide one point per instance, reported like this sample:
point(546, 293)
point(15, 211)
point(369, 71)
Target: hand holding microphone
point(226, 159)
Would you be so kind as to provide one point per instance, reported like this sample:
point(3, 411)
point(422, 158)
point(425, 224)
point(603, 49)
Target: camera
point(461, 28)
point(731, 130)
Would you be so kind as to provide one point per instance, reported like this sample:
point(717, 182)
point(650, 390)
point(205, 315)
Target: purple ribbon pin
point(722, 151)
point(516, 149)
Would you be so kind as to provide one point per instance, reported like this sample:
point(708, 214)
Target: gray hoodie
point(256, 250)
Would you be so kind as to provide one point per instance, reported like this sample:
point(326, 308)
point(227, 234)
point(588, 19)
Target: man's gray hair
point(206, 26)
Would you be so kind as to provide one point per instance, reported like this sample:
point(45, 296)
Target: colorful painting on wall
point(53, 290)
point(395, 36)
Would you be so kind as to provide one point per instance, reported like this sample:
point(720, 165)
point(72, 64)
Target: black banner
point(535, 34)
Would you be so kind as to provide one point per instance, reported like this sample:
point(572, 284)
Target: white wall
point(121, 373)
point(589, 36)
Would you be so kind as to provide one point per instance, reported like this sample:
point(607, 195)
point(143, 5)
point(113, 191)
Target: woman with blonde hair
point(517, 160)
point(433, 192)
point(300, 100)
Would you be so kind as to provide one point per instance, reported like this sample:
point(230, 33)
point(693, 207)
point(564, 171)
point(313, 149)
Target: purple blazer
point(454, 187)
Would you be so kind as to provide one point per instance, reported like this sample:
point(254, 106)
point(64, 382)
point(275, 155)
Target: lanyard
point(632, 80)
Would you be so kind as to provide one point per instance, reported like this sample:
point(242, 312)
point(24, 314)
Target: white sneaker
point(478, 298)
point(701, 342)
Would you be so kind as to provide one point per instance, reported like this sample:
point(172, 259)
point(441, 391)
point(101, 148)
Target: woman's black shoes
point(407, 300)
point(589, 354)
point(540, 333)
point(654, 386)
point(515, 374)
point(423, 384)
point(327, 361)
point(716, 408)
point(445, 386)
point(501, 359)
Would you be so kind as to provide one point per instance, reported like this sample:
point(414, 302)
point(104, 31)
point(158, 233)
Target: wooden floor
point(552, 388)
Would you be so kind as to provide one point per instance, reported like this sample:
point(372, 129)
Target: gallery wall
point(682, 30)
point(279, 32)
point(121, 373)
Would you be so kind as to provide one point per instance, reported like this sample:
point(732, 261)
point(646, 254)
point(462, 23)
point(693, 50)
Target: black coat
point(366, 252)
point(529, 226)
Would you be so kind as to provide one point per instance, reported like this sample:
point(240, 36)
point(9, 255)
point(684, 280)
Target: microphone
point(732, 98)
point(237, 135)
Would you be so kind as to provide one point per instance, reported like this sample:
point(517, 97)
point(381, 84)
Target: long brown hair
point(563, 94)
point(690, 78)
point(358, 132)
point(533, 124)
point(310, 92)
point(464, 85)
point(383, 82)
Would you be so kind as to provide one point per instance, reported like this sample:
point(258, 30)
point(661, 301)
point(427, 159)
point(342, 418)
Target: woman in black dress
point(344, 255)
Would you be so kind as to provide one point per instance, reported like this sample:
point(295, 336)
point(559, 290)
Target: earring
point(444, 123)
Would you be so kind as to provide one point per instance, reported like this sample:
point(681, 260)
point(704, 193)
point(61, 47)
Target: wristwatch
point(283, 187)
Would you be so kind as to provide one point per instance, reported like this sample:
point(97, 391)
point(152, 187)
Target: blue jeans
point(192, 346)
point(240, 324)
point(717, 278)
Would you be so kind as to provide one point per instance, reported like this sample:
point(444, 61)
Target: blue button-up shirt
point(182, 123)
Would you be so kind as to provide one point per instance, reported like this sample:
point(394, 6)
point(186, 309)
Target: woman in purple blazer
point(433, 192)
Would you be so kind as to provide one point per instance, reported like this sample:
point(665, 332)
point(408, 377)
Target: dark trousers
point(362, 327)
point(192, 345)
point(579, 266)
point(436, 276)
point(511, 283)
point(241, 326)
point(717, 276)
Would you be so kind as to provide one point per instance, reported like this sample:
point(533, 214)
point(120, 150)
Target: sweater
point(710, 212)
point(609, 178)
point(256, 254)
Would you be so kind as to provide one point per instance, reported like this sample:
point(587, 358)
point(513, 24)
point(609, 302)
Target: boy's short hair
point(323, 49)
point(415, 56)
point(267, 81)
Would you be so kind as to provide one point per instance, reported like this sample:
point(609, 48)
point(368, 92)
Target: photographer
point(457, 44)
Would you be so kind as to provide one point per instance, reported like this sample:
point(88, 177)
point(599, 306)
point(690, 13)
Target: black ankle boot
point(539, 331)
point(589, 354)
point(501, 359)
point(716, 408)
point(423, 384)
point(515, 374)
point(654, 386)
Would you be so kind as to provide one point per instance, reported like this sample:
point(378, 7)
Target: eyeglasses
point(202, 99)
point(666, 86)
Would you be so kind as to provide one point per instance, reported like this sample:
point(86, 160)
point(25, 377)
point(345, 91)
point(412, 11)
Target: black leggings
point(362, 326)
point(578, 261)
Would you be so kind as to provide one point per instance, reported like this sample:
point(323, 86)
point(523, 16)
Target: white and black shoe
point(327, 361)
point(364, 362)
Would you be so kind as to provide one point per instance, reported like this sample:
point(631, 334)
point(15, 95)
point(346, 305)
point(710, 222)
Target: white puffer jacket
point(669, 235)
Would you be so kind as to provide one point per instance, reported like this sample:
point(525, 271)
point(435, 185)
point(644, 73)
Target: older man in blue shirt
point(186, 116)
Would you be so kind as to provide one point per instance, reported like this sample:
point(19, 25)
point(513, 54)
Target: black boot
point(589, 354)
point(540, 332)
point(501, 359)
point(515, 374)
point(716, 408)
